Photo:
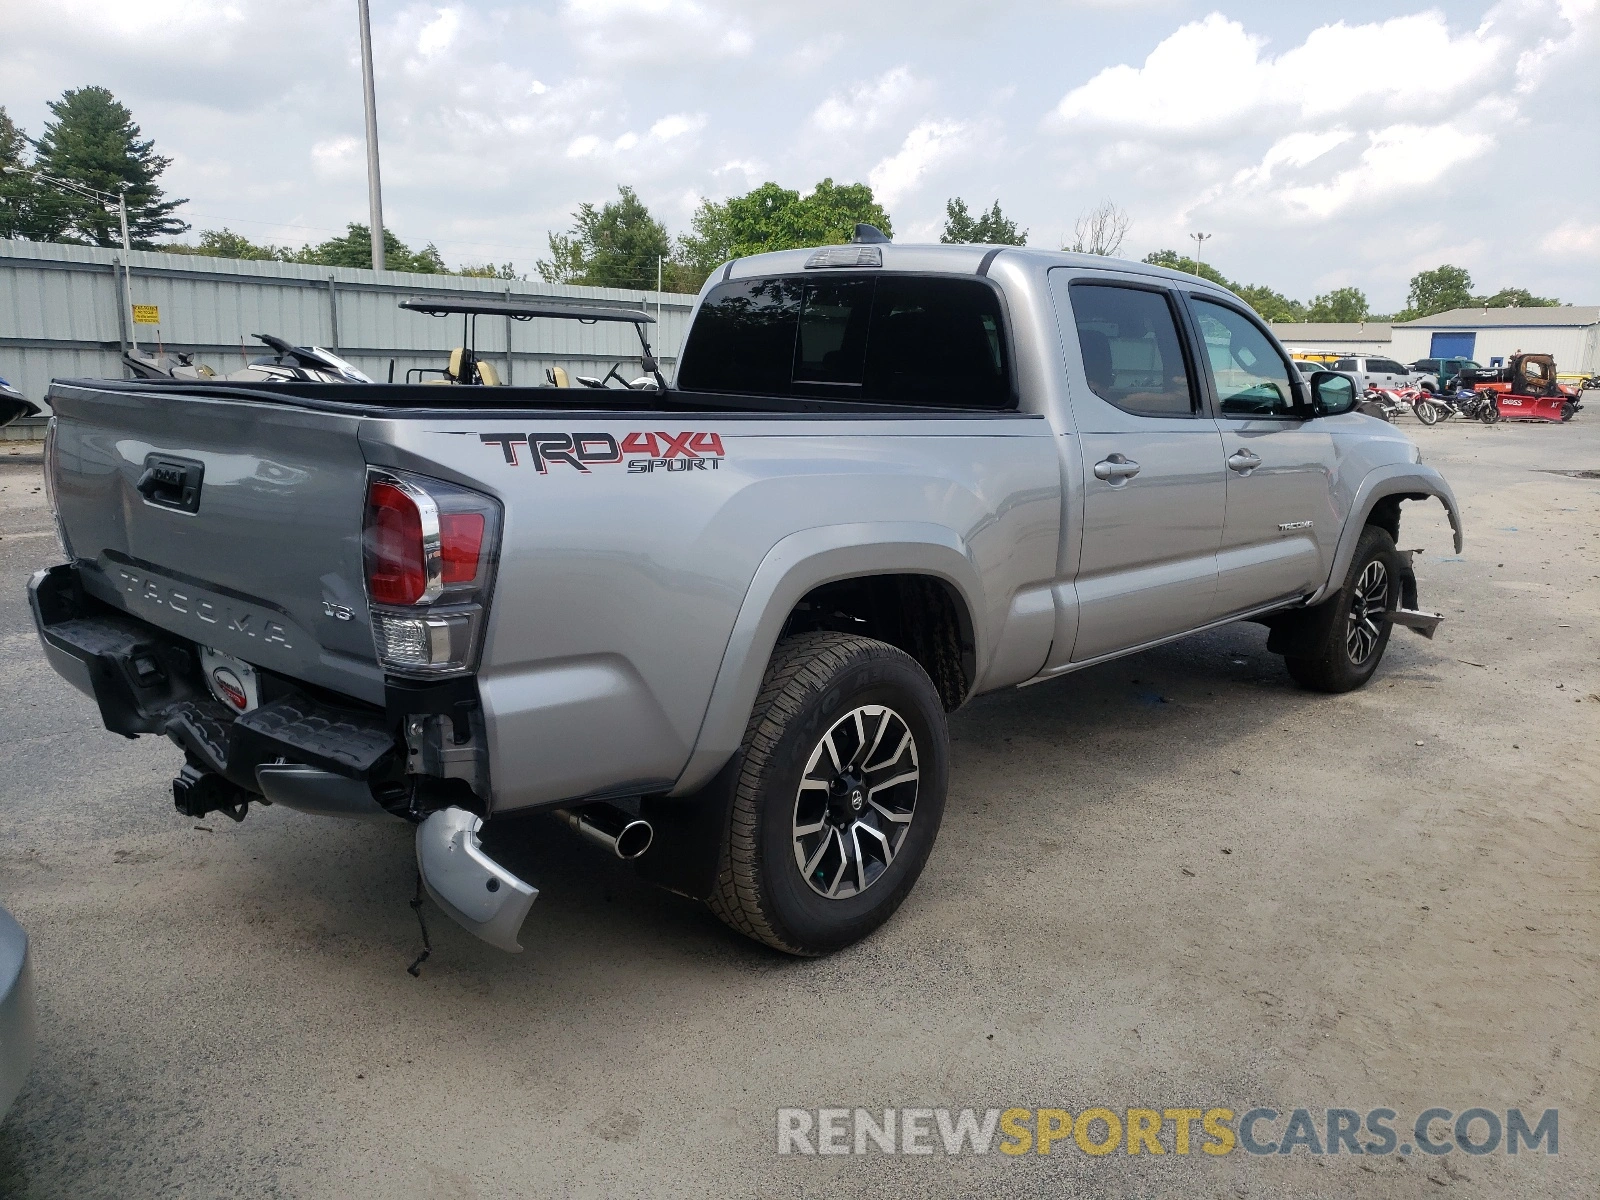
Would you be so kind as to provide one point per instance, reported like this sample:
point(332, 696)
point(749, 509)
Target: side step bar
point(475, 891)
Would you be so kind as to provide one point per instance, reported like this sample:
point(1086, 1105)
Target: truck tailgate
point(232, 522)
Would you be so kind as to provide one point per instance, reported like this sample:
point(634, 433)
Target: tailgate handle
point(171, 482)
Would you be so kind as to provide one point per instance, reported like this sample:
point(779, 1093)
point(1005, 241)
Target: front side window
point(1132, 355)
point(1247, 372)
point(888, 339)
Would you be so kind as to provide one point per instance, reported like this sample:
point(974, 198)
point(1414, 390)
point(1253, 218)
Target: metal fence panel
point(62, 316)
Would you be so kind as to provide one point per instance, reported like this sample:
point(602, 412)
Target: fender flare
point(794, 566)
point(1413, 481)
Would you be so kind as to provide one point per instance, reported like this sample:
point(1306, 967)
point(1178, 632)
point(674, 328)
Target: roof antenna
point(869, 235)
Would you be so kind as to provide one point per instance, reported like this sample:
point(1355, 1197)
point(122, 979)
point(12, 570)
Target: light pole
point(1199, 245)
point(374, 187)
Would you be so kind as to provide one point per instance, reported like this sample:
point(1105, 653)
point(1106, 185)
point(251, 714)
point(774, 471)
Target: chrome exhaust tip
point(622, 833)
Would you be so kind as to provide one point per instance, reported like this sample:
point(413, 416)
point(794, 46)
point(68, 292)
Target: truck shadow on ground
point(1118, 731)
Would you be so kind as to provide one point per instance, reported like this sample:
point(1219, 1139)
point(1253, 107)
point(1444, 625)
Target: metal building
point(62, 315)
point(1570, 332)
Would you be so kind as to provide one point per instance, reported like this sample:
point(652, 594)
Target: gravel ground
point(1175, 880)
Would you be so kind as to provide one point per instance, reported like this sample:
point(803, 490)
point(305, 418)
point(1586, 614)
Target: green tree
point(225, 243)
point(1436, 291)
point(489, 271)
point(1341, 304)
point(92, 140)
point(617, 245)
point(1174, 261)
point(1515, 298)
point(19, 195)
point(1271, 305)
point(354, 249)
point(775, 218)
point(992, 228)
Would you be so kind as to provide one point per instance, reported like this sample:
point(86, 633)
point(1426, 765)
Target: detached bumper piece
point(475, 891)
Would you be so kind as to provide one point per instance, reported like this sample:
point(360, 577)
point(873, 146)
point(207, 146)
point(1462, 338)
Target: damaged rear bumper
point(295, 749)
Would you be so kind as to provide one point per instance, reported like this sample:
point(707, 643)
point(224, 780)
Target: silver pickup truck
point(717, 626)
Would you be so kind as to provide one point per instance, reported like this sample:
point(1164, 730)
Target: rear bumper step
point(148, 681)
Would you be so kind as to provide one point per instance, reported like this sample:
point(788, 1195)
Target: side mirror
point(1332, 394)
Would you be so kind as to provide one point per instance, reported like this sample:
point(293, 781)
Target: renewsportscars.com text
point(1099, 1130)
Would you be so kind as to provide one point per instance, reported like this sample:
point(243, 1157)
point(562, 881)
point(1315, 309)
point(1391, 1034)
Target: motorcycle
point(14, 405)
point(1465, 403)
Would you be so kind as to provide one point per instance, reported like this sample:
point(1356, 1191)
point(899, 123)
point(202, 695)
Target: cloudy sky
point(1347, 142)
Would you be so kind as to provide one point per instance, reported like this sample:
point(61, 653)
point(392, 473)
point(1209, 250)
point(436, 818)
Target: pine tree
point(17, 191)
point(93, 141)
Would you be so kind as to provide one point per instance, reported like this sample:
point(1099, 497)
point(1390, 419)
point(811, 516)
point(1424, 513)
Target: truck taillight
point(429, 549)
point(397, 550)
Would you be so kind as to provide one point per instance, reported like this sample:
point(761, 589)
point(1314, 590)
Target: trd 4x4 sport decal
point(692, 451)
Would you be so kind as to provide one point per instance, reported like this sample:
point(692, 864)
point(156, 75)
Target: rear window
point(895, 339)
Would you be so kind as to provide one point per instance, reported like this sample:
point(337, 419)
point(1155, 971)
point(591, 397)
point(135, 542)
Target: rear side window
point(1387, 366)
point(743, 339)
point(1132, 356)
point(1346, 364)
point(894, 339)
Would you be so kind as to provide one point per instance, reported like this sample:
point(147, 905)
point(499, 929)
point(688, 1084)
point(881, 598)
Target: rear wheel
point(1358, 632)
point(839, 796)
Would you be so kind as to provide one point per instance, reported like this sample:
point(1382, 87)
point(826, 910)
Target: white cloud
point(340, 156)
point(675, 125)
point(1578, 239)
point(926, 146)
point(656, 31)
point(1399, 159)
point(438, 34)
point(868, 105)
point(1211, 76)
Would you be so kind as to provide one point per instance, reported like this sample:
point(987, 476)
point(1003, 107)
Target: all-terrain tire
point(814, 685)
point(1357, 631)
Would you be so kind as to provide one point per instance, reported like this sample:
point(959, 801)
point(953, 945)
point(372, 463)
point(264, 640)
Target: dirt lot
point(1175, 880)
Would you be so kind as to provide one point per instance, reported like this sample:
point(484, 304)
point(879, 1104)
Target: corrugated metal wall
point(61, 316)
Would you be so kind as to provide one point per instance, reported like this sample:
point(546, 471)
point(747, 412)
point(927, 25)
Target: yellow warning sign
point(147, 314)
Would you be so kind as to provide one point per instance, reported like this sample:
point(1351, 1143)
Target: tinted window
point(937, 341)
point(1346, 364)
point(744, 338)
point(1387, 365)
point(1250, 377)
point(832, 347)
point(893, 339)
point(1132, 356)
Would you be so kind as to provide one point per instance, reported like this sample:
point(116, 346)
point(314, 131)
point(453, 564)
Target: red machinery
point(1526, 389)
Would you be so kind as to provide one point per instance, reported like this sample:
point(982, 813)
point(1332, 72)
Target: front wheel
point(1426, 412)
point(1567, 410)
point(1489, 410)
point(839, 796)
point(1358, 631)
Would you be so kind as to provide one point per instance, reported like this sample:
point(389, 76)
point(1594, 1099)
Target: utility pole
point(1199, 245)
point(91, 193)
point(374, 187)
point(127, 279)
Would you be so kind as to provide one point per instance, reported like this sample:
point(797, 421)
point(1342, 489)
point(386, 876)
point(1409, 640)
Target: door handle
point(1243, 461)
point(1116, 469)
